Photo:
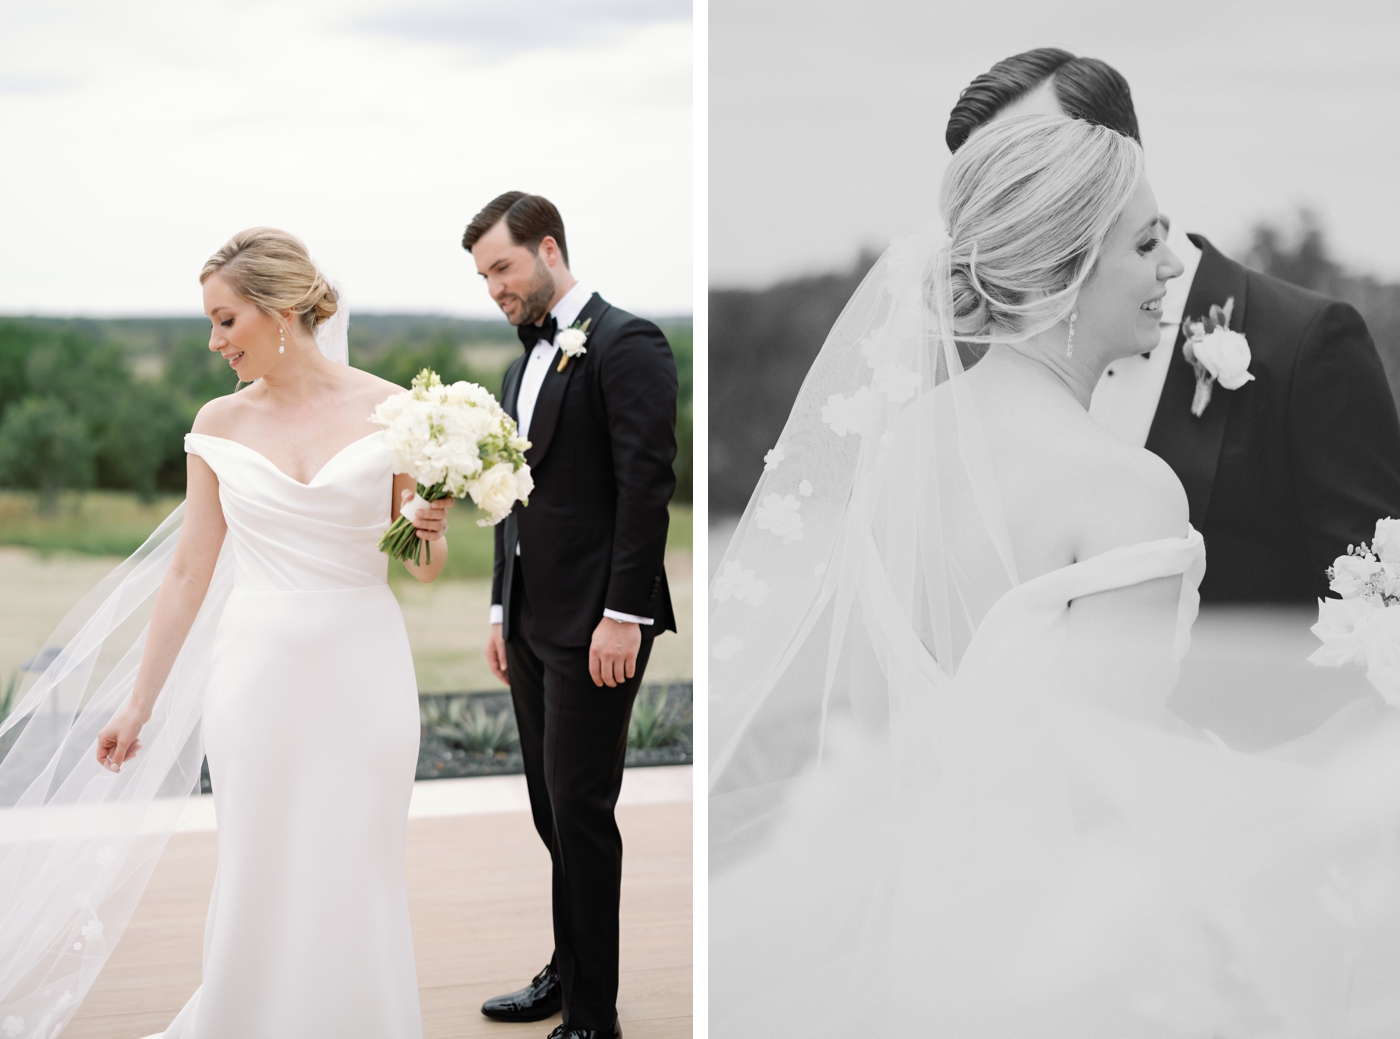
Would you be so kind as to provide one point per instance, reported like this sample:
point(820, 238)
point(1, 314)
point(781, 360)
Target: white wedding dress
point(938, 807)
point(311, 731)
point(296, 678)
point(1051, 872)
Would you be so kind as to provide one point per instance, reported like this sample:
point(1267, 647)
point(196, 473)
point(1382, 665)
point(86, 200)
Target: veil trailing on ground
point(78, 843)
point(870, 551)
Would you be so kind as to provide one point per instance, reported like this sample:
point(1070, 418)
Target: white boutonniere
point(571, 341)
point(1216, 353)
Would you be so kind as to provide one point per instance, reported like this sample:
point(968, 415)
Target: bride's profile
point(255, 627)
point(947, 797)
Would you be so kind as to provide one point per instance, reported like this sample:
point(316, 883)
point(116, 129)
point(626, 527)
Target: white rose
point(1350, 574)
point(571, 341)
point(495, 491)
point(1225, 354)
point(1386, 543)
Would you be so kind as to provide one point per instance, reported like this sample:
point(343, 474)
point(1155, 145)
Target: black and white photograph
point(1054, 520)
point(346, 644)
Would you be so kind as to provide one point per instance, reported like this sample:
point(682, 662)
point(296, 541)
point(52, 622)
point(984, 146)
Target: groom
point(580, 587)
point(1283, 473)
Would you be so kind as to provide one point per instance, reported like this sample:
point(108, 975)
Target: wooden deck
point(478, 889)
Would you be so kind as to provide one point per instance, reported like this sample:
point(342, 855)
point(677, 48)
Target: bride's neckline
point(273, 465)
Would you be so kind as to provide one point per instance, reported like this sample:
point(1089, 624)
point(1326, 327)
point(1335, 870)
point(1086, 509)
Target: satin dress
point(311, 731)
point(1034, 867)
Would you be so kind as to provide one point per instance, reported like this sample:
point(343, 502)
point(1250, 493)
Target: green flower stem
point(401, 540)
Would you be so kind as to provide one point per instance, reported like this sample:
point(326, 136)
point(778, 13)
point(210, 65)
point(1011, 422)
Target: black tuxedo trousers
point(573, 737)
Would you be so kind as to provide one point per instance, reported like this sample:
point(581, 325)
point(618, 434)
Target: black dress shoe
point(569, 1032)
point(538, 1000)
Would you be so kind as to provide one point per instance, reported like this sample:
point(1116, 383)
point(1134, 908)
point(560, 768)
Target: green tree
point(194, 374)
point(401, 361)
point(681, 336)
point(44, 447)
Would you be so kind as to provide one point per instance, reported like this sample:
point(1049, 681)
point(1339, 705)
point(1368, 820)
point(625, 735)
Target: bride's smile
point(1133, 270)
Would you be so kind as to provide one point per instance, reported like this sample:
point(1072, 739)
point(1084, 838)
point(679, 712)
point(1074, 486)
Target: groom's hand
point(496, 654)
point(612, 658)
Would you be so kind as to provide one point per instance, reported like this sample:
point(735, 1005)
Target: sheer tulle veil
point(876, 539)
point(78, 843)
point(837, 595)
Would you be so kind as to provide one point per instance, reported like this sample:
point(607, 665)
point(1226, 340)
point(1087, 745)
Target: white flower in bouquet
point(1361, 627)
point(455, 441)
point(1386, 543)
point(1350, 575)
point(498, 489)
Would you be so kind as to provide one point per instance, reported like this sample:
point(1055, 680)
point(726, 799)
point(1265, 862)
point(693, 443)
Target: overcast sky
point(826, 133)
point(138, 136)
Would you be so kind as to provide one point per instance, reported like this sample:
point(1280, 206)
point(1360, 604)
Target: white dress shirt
point(1125, 400)
point(565, 312)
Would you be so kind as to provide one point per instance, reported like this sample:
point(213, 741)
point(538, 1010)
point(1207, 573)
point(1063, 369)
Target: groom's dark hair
point(1086, 88)
point(529, 219)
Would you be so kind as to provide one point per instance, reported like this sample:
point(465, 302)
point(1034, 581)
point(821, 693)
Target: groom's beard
point(534, 305)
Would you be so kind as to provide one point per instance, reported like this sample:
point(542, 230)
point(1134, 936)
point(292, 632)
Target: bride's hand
point(431, 517)
point(120, 738)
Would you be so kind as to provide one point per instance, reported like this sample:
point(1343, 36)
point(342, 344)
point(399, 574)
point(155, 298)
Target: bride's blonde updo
point(272, 270)
point(1028, 203)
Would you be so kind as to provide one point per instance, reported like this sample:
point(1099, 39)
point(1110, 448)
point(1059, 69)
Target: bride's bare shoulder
point(1131, 496)
point(372, 387)
point(219, 417)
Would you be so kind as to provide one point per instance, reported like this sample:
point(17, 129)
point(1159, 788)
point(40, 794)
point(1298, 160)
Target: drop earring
point(282, 335)
point(1069, 352)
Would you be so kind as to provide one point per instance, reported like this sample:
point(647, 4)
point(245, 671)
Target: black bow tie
point(532, 334)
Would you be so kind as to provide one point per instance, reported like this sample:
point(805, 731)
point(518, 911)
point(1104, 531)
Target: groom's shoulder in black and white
point(1314, 348)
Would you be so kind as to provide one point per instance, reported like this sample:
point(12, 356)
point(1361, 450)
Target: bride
point(947, 798)
point(275, 647)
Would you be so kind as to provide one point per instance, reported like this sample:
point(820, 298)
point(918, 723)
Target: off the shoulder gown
point(1042, 870)
point(311, 732)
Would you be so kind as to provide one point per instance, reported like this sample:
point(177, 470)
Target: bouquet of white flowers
point(454, 441)
point(1361, 627)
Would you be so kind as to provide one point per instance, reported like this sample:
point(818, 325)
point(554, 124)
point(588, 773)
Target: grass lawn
point(114, 523)
point(101, 523)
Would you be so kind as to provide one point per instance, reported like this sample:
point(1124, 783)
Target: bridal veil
point(877, 539)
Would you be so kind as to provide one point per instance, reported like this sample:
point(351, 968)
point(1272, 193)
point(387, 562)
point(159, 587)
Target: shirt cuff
point(627, 617)
point(498, 615)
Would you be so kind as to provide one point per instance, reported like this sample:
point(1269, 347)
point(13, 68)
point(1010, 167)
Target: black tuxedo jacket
point(1283, 473)
point(603, 437)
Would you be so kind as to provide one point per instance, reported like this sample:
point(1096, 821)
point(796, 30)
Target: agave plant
point(470, 726)
point(655, 721)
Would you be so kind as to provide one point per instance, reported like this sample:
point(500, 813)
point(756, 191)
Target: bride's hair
point(1028, 203)
point(273, 270)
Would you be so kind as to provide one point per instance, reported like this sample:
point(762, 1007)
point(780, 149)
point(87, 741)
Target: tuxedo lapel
point(1191, 445)
point(551, 398)
point(510, 387)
